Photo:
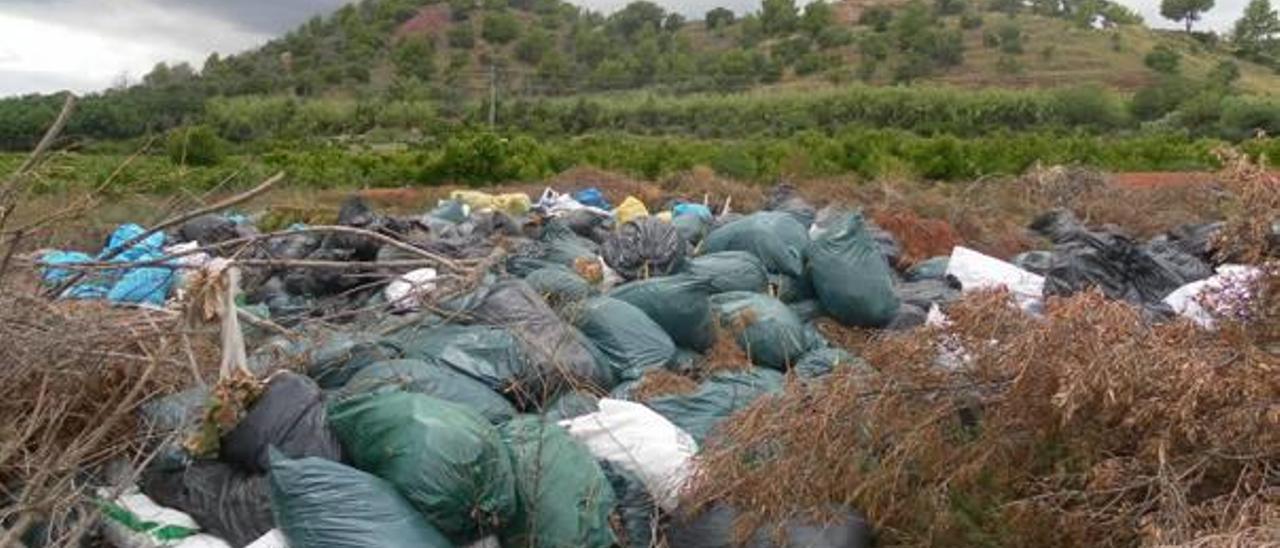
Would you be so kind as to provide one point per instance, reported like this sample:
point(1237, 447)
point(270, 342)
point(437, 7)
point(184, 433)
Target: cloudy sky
point(87, 45)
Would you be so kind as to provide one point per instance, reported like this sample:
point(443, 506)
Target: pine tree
point(1187, 11)
point(1257, 33)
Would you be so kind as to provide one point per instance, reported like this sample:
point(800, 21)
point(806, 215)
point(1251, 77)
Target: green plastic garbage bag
point(730, 271)
point(558, 285)
point(491, 355)
point(692, 228)
point(446, 459)
point(563, 246)
point(319, 503)
point(571, 405)
point(565, 499)
point(637, 511)
point(433, 379)
point(823, 361)
point(677, 303)
point(776, 238)
point(769, 332)
point(718, 397)
point(625, 336)
point(850, 275)
point(791, 289)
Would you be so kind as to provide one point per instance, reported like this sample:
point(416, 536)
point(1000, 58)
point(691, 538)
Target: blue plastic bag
point(53, 275)
point(703, 212)
point(126, 233)
point(592, 197)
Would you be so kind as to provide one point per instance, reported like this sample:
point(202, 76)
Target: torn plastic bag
point(930, 269)
point(1119, 267)
point(730, 271)
point(823, 361)
point(719, 396)
point(638, 513)
point(635, 438)
point(565, 499)
point(447, 460)
point(324, 504)
point(559, 286)
point(785, 198)
point(645, 248)
point(851, 277)
point(1035, 262)
point(978, 272)
point(1229, 294)
point(677, 303)
point(406, 292)
point(555, 348)
point(229, 503)
point(433, 379)
point(630, 341)
point(133, 520)
point(290, 416)
point(777, 239)
point(715, 526)
point(764, 328)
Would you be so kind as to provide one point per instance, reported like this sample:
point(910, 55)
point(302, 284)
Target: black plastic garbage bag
point(714, 528)
point(645, 248)
point(930, 269)
point(319, 281)
point(232, 504)
point(434, 379)
point(588, 224)
point(295, 246)
point(1119, 266)
point(729, 271)
point(851, 277)
point(1196, 240)
point(211, 229)
point(1035, 262)
point(449, 462)
point(769, 332)
point(629, 340)
point(555, 348)
point(910, 316)
point(719, 396)
point(677, 303)
point(324, 504)
point(290, 416)
point(558, 285)
point(777, 239)
point(925, 293)
point(564, 497)
point(785, 198)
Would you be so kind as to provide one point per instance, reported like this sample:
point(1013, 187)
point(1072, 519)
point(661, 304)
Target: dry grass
point(72, 377)
point(1086, 428)
point(661, 382)
point(1254, 205)
point(920, 238)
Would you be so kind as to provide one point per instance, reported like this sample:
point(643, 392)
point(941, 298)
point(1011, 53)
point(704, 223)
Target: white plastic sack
point(555, 204)
point(640, 441)
point(153, 526)
point(976, 271)
point(1230, 287)
point(405, 292)
point(190, 263)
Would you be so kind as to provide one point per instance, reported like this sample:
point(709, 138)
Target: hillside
point(547, 47)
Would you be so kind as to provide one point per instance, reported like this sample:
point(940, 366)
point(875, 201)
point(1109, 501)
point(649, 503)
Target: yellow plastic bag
point(665, 217)
point(631, 209)
point(514, 204)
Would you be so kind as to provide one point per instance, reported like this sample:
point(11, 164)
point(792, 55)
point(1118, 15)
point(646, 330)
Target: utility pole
point(493, 95)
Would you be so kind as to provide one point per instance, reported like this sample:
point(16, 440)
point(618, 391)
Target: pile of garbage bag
point(430, 412)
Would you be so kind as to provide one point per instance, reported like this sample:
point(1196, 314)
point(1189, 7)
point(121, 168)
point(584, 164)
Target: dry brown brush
point(1087, 427)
